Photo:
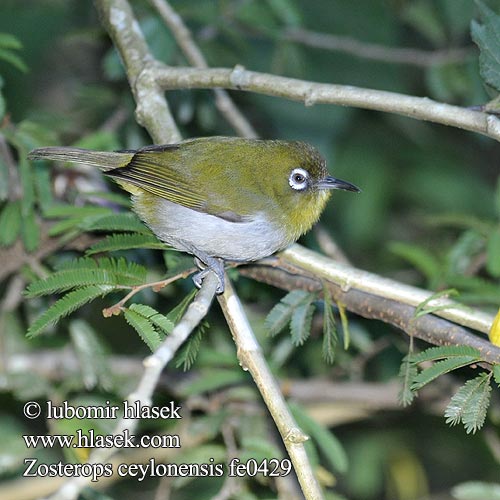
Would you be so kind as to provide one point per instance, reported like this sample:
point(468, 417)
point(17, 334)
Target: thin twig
point(311, 93)
point(251, 358)
point(195, 57)
point(155, 285)
point(153, 366)
point(376, 52)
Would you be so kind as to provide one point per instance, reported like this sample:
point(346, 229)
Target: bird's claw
point(217, 267)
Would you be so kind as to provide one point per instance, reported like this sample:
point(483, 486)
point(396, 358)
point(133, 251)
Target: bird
point(218, 198)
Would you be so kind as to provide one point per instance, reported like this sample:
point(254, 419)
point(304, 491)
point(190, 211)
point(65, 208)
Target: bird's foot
point(207, 264)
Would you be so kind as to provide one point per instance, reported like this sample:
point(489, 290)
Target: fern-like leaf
point(61, 211)
point(407, 374)
point(475, 411)
point(281, 313)
point(126, 241)
point(65, 225)
point(461, 400)
point(442, 352)
point(330, 337)
point(144, 327)
point(10, 223)
point(324, 439)
point(300, 324)
point(85, 272)
point(92, 355)
point(128, 222)
point(440, 368)
point(30, 232)
point(158, 320)
point(189, 352)
point(424, 308)
point(66, 305)
point(178, 311)
point(496, 374)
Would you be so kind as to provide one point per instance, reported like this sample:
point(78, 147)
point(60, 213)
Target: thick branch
point(348, 277)
point(311, 93)
point(252, 359)
point(152, 110)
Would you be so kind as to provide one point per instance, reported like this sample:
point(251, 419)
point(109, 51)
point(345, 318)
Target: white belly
point(185, 229)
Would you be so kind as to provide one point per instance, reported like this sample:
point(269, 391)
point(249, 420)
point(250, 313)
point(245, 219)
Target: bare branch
point(376, 52)
point(348, 277)
point(152, 110)
point(311, 93)
point(251, 358)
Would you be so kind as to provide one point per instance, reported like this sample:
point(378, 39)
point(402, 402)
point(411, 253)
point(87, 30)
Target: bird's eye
point(298, 179)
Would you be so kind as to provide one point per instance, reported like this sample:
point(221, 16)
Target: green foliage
point(300, 323)
point(178, 311)
point(189, 351)
point(126, 241)
point(30, 232)
point(281, 313)
point(330, 337)
point(421, 258)
point(116, 273)
point(215, 379)
point(496, 374)
point(470, 403)
point(93, 218)
point(326, 442)
point(9, 44)
point(117, 222)
point(493, 253)
point(144, 327)
point(159, 321)
point(10, 223)
point(443, 352)
point(91, 354)
point(497, 198)
point(487, 37)
point(440, 368)
point(66, 305)
point(151, 326)
point(4, 170)
point(407, 374)
point(345, 324)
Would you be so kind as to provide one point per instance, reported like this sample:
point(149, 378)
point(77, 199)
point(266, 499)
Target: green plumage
point(219, 197)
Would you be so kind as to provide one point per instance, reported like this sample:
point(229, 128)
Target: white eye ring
point(299, 179)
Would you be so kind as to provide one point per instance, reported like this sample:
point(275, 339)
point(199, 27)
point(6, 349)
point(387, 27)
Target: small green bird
point(219, 197)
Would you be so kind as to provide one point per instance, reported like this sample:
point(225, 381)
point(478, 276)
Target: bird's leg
point(206, 263)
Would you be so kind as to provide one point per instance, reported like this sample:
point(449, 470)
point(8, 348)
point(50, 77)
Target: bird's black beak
point(332, 183)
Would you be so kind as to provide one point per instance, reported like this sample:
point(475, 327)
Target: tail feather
point(105, 160)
